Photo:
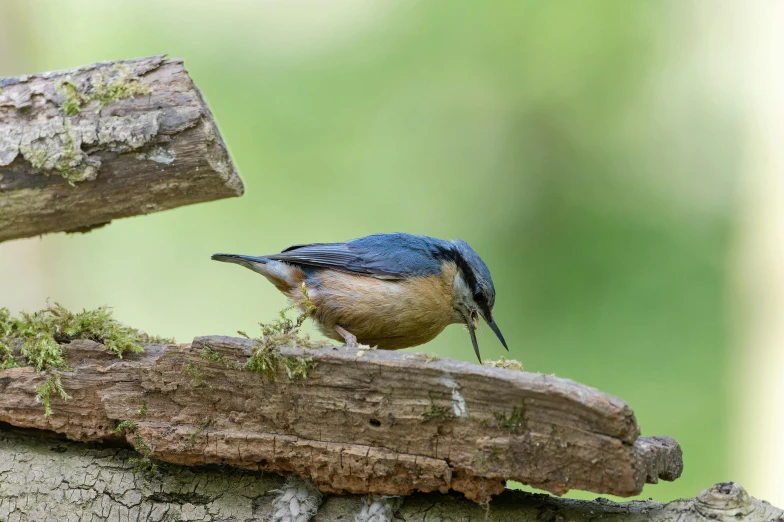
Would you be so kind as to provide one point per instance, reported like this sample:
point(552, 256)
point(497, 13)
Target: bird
point(391, 291)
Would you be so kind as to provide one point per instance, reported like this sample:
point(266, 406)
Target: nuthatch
point(387, 290)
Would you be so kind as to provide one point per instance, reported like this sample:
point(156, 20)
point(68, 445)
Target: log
point(374, 421)
point(44, 479)
point(81, 147)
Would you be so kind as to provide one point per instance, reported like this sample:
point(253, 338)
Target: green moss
point(142, 464)
point(116, 83)
point(427, 357)
point(44, 392)
point(192, 436)
point(107, 85)
point(124, 425)
point(514, 423)
point(503, 362)
point(44, 332)
point(141, 412)
point(437, 412)
point(267, 359)
point(73, 99)
point(43, 337)
point(209, 354)
point(70, 159)
point(196, 374)
point(487, 456)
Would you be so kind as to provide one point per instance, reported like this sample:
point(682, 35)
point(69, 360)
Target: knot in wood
point(725, 499)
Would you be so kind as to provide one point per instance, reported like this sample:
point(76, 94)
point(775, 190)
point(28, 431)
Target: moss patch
point(52, 385)
point(196, 374)
point(209, 354)
point(487, 456)
point(44, 336)
point(437, 412)
point(107, 85)
point(191, 440)
point(514, 423)
point(427, 357)
point(73, 99)
point(267, 359)
point(503, 362)
point(143, 464)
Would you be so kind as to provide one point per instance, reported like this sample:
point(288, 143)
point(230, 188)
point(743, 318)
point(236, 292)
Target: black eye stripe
point(452, 254)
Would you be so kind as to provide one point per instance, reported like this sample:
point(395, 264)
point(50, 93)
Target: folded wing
point(386, 256)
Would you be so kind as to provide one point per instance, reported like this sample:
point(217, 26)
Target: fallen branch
point(358, 422)
point(81, 147)
point(76, 481)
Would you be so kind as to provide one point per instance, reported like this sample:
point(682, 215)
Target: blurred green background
point(585, 149)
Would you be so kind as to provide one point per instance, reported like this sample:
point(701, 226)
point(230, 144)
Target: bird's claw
point(351, 339)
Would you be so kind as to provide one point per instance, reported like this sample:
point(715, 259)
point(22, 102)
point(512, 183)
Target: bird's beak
point(472, 331)
point(496, 330)
point(471, 323)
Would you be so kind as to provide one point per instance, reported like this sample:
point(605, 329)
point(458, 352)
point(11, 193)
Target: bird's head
point(473, 292)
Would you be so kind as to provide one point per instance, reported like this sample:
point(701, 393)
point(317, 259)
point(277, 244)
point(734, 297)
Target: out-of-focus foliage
point(563, 140)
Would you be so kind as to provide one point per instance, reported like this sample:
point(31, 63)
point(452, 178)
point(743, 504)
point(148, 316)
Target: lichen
point(116, 84)
point(159, 155)
point(70, 159)
point(107, 85)
point(45, 334)
point(503, 362)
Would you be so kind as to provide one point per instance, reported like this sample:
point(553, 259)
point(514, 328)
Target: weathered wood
point(54, 480)
point(357, 424)
point(81, 147)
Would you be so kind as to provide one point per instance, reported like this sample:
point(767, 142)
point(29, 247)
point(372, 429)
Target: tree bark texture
point(81, 147)
point(374, 421)
point(47, 480)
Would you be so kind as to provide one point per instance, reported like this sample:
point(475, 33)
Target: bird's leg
point(351, 339)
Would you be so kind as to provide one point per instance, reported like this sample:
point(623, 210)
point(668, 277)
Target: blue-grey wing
point(388, 256)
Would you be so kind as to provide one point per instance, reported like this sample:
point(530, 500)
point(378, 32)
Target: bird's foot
point(350, 338)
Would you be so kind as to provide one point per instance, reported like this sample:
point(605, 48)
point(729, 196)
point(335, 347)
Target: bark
point(81, 147)
point(377, 421)
point(45, 480)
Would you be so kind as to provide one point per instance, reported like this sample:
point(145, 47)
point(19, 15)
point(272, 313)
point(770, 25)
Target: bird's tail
point(246, 261)
point(285, 277)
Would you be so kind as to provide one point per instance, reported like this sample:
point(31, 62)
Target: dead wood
point(42, 479)
point(81, 147)
point(374, 422)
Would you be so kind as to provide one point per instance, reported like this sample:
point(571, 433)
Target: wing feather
point(387, 256)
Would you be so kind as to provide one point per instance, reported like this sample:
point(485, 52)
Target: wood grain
point(357, 424)
point(96, 482)
point(81, 147)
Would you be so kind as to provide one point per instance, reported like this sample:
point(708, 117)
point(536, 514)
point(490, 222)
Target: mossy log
point(374, 421)
point(81, 147)
point(44, 479)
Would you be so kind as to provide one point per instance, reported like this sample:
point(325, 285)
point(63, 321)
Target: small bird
point(387, 290)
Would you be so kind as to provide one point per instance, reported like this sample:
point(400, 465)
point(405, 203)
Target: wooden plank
point(361, 422)
point(81, 147)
